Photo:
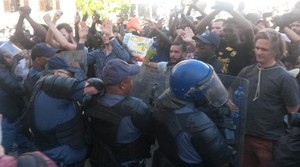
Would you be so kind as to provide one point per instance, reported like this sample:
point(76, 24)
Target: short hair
point(220, 20)
point(65, 26)
point(181, 44)
point(277, 42)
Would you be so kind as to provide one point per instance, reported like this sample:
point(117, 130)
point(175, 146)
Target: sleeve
point(62, 87)
point(91, 57)
point(290, 91)
point(143, 120)
point(10, 84)
point(162, 66)
point(121, 52)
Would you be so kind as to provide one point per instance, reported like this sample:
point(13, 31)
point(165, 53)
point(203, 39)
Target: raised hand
point(25, 11)
point(188, 35)
point(83, 30)
point(107, 27)
point(57, 15)
point(47, 18)
point(160, 23)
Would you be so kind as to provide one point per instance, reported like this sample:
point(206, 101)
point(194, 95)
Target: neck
point(267, 65)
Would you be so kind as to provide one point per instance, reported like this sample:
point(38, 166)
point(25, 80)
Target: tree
point(105, 8)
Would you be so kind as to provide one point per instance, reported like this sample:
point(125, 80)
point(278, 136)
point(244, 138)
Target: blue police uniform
point(49, 113)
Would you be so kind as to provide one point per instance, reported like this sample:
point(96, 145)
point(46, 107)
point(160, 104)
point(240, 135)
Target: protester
point(40, 31)
point(111, 50)
point(177, 52)
point(206, 47)
point(273, 92)
point(11, 102)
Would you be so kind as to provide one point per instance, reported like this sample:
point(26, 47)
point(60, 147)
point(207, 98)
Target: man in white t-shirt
point(177, 51)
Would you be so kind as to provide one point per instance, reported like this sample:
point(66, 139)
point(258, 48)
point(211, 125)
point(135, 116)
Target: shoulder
point(247, 70)
point(135, 105)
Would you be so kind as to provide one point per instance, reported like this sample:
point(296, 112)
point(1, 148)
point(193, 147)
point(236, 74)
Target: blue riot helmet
point(8, 49)
point(192, 80)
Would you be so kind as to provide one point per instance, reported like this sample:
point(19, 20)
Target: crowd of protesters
point(66, 115)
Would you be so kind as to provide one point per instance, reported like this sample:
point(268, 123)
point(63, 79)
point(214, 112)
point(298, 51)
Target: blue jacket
point(11, 93)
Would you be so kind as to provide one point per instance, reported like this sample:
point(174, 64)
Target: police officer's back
point(121, 124)
point(57, 125)
point(186, 136)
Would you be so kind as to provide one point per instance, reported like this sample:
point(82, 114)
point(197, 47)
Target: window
point(11, 5)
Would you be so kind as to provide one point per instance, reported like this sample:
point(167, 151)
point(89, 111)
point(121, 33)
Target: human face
point(217, 27)
point(8, 59)
point(105, 38)
point(176, 54)
point(265, 57)
point(230, 34)
point(126, 85)
point(295, 26)
point(41, 61)
point(203, 51)
point(65, 33)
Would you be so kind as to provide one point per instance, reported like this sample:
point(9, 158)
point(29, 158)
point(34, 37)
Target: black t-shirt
point(236, 57)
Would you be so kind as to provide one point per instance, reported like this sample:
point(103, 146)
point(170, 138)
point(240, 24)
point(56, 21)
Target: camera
point(294, 119)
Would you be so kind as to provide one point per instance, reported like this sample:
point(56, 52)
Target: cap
point(209, 37)
point(56, 63)
point(42, 50)
point(116, 70)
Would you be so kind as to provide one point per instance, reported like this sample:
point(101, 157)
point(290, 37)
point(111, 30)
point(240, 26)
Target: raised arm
point(19, 33)
point(61, 40)
point(155, 30)
point(201, 26)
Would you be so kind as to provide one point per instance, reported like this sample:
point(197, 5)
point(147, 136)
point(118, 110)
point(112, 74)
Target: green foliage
point(103, 7)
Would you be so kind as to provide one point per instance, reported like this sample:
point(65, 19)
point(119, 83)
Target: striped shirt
point(98, 57)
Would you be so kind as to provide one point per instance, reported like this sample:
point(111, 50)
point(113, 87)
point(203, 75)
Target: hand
point(151, 24)
point(25, 10)
point(47, 18)
point(57, 15)
point(98, 84)
point(180, 32)
point(188, 35)
point(75, 64)
point(160, 23)
point(25, 54)
point(232, 106)
point(83, 30)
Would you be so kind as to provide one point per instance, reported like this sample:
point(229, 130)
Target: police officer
point(11, 102)
point(57, 124)
point(186, 136)
point(121, 124)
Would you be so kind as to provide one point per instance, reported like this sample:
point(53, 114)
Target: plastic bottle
point(237, 99)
